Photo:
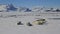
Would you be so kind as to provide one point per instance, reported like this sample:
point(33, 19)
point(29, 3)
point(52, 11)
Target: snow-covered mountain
point(3, 8)
point(6, 8)
point(12, 8)
point(24, 9)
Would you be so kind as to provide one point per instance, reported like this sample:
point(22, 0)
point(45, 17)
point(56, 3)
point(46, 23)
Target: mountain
point(12, 8)
point(24, 9)
point(7, 8)
point(3, 8)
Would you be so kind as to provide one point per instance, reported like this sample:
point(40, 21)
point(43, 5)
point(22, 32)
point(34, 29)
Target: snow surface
point(8, 24)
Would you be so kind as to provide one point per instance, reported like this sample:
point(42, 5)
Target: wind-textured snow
point(8, 25)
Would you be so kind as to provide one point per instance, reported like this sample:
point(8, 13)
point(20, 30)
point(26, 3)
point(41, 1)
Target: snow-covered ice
point(8, 25)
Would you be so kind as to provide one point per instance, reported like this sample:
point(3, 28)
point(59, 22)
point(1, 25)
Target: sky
point(31, 3)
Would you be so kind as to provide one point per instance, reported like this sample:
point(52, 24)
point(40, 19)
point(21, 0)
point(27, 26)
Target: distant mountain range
point(11, 7)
